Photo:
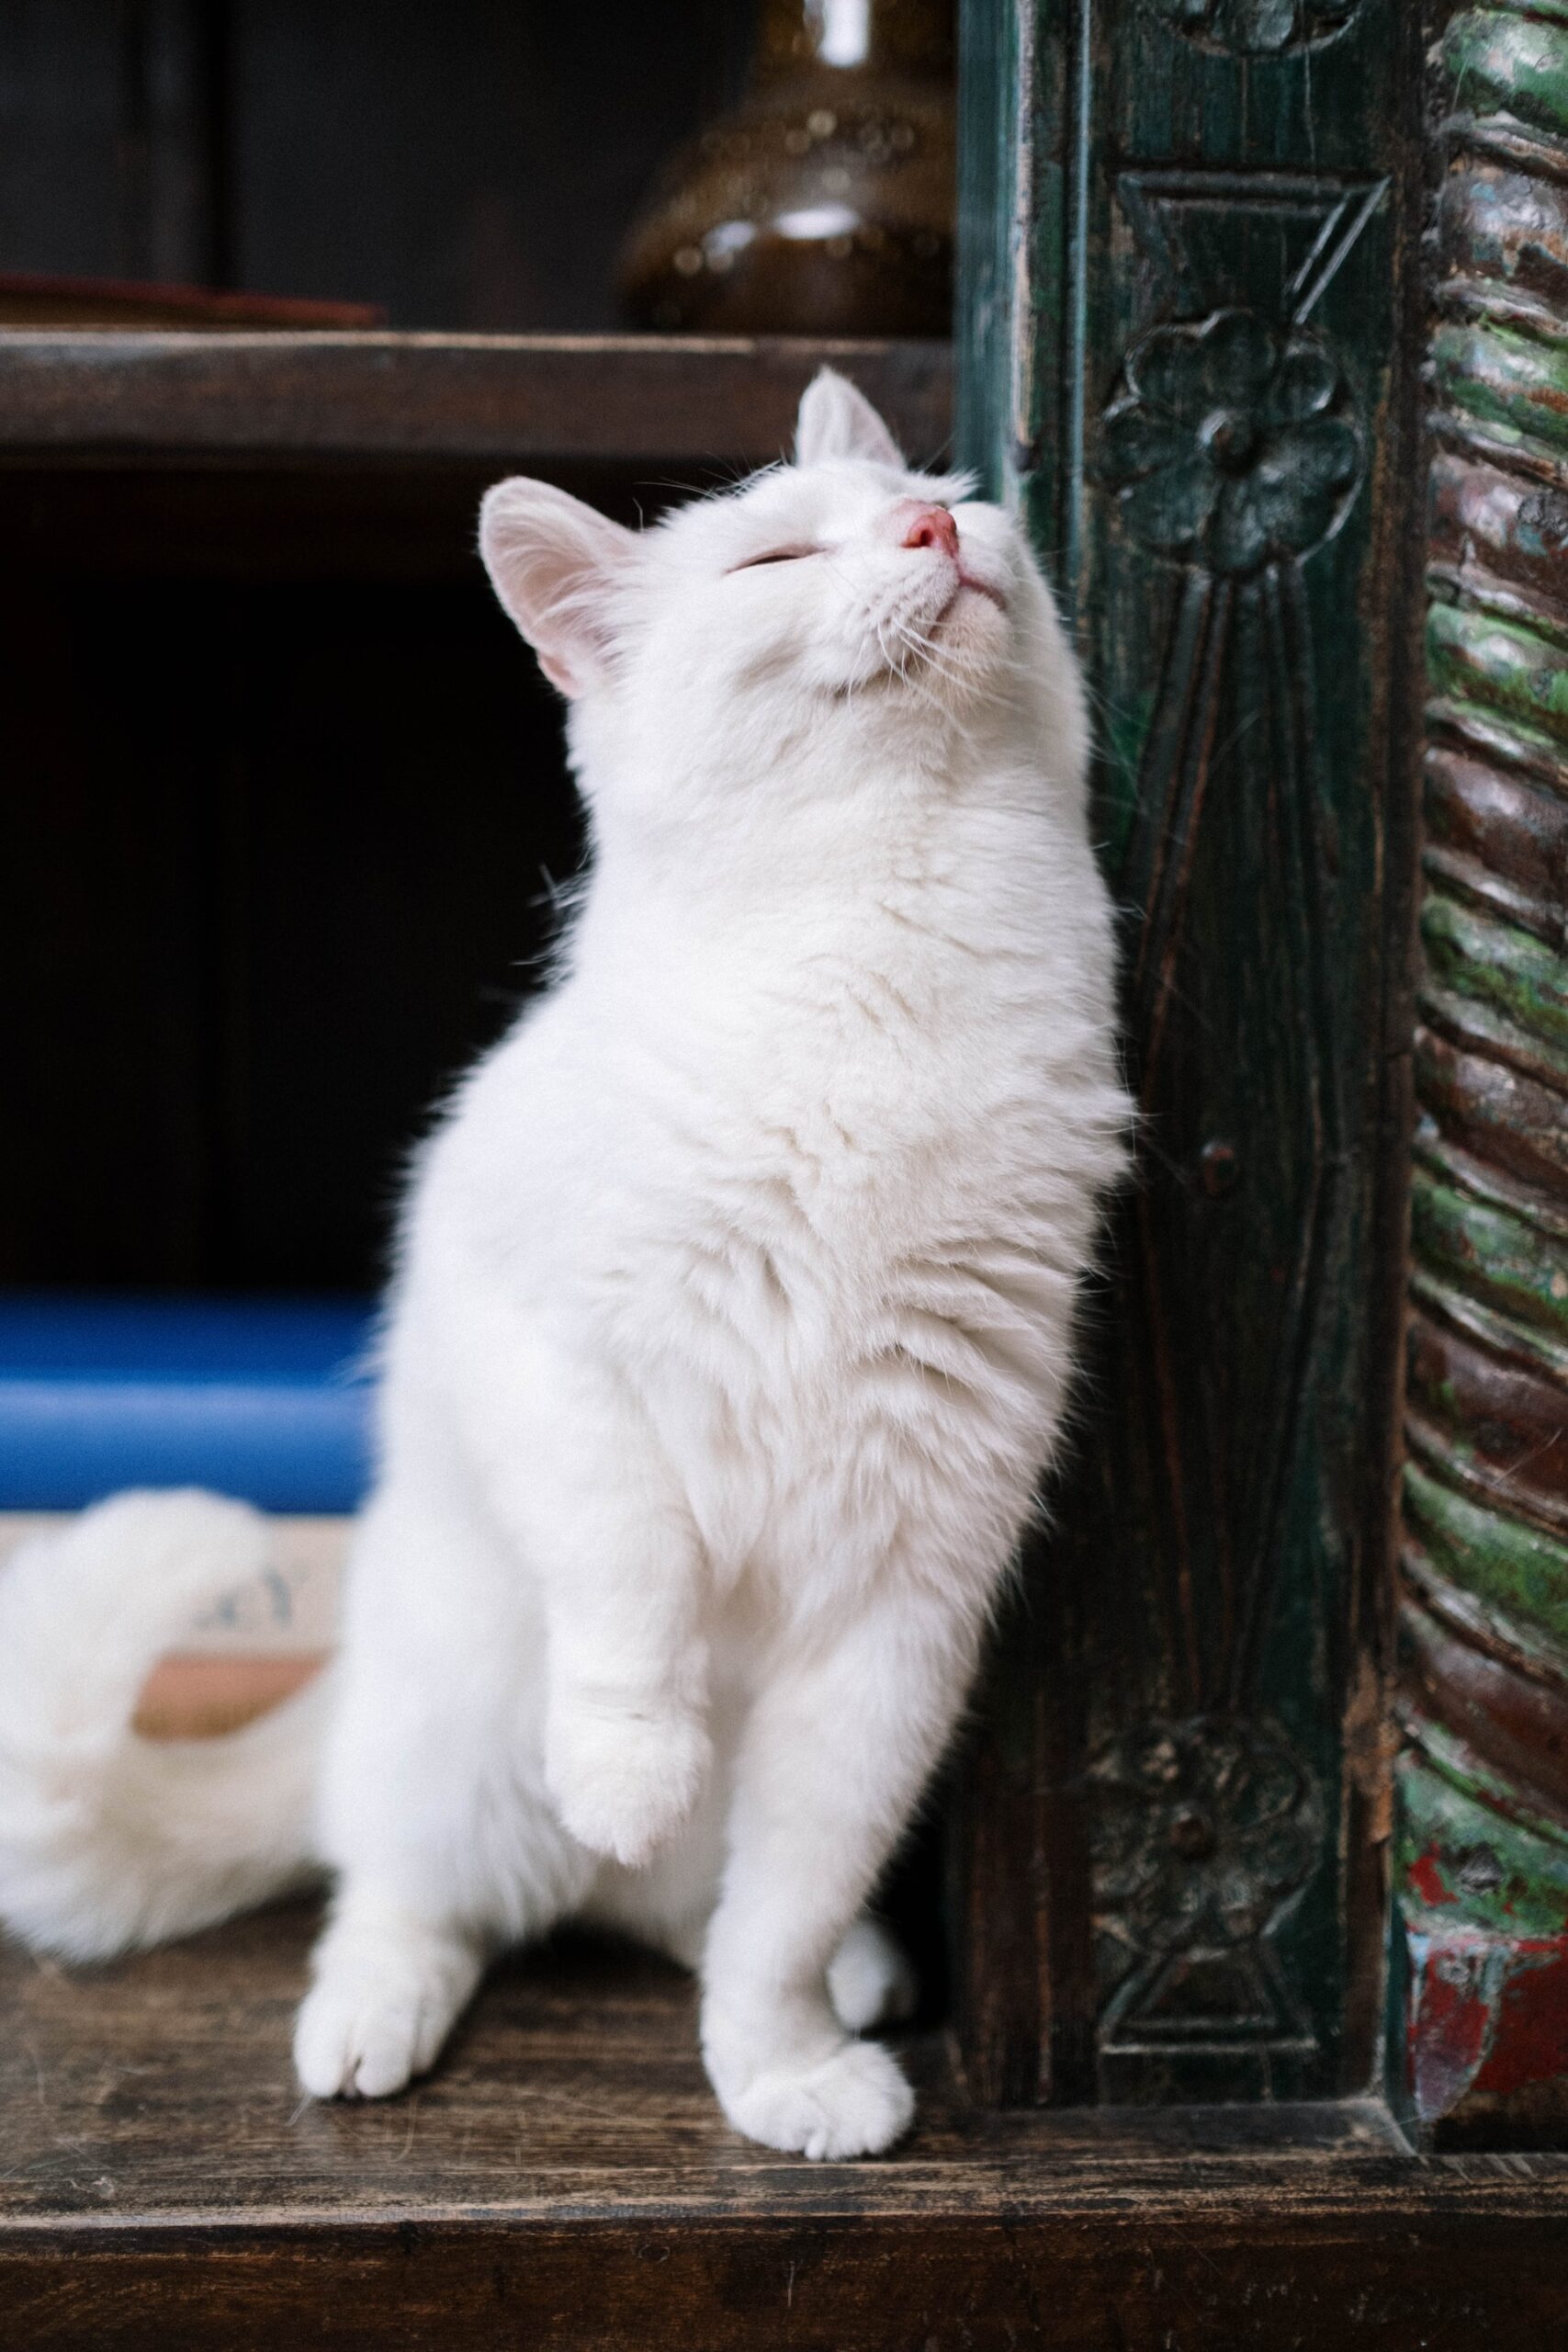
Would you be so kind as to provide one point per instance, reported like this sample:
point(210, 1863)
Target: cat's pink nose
point(932, 526)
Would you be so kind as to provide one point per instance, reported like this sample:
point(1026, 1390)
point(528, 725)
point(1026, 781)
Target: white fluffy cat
point(731, 1329)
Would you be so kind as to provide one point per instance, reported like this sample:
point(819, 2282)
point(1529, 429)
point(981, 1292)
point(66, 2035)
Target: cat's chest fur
point(812, 1181)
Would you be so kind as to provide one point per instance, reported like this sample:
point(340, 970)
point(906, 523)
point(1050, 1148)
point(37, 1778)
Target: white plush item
point(731, 1335)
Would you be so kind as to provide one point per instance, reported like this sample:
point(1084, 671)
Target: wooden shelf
point(121, 396)
point(564, 2181)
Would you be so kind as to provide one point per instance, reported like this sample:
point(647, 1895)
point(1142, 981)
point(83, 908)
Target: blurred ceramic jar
point(824, 203)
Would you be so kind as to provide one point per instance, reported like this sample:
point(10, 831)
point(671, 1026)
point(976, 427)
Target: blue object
point(265, 1398)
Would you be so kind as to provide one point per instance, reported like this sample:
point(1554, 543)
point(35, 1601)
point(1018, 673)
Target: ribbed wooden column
point(1481, 1876)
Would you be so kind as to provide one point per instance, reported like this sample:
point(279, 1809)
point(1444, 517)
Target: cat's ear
point(555, 566)
point(835, 421)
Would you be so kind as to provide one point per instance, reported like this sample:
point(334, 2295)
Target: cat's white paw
point(624, 1783)
point(870, 1983)
point(854, 2103)
point(372, 2021)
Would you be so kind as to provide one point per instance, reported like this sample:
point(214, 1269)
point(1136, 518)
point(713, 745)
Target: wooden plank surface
point(564, 2179)
point(520, 398)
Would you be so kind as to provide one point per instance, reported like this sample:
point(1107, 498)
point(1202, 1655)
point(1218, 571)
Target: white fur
point(733, 1319)
point(109, 1842)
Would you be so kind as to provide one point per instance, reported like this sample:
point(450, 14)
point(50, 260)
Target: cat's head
point(844, 591)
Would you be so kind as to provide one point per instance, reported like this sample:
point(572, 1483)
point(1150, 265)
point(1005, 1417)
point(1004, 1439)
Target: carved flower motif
point(1257, 27)
point(1230, 444)
point(1203, 1832)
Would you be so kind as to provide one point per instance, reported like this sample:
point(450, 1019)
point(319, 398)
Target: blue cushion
point(265, 1398)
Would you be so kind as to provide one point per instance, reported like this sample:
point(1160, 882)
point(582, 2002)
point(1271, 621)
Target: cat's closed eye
point(775, 555)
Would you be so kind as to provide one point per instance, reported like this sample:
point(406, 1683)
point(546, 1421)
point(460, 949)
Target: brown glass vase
point(824, 203)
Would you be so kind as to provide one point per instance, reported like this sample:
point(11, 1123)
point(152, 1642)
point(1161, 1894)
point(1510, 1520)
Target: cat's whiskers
point(908, 670)
point(933, 657)
point(960, 730)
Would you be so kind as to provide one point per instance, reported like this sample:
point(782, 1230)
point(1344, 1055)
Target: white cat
point(731, 1333)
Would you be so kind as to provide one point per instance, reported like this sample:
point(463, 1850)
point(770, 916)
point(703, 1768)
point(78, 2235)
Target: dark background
point(467, 164)
point(282, 798)
point(277, 832)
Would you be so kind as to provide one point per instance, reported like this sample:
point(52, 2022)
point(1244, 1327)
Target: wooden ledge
point(564, 2181)
point(120, 396)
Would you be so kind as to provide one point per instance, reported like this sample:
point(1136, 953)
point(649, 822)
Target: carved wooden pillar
point(1187, 236)
point(1482, 1842)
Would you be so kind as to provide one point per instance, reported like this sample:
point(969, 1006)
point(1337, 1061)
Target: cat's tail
point(109, 1841)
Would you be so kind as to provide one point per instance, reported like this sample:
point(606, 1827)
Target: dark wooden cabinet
point(1193, 253)
point(1218, 261)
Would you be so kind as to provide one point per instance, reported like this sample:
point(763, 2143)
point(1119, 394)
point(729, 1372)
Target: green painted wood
point(1520, 673)
point(1513, 64)
point(1504, 1869)
point(1503, 972)
point(1188, 248)
point(1505, 378)
point(1482, 1831)
point(1503, 1258)
point(1517, 1571)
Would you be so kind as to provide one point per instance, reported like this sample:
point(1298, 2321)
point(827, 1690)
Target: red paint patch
point(1426, 1880)
point(1488, 2014)
point(1529, 2040)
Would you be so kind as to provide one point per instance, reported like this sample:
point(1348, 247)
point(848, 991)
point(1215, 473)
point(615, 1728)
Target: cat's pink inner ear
point(557, 566)
point(835, 421)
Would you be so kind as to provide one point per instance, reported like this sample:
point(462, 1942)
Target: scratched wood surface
point(282, 398)
point(1188, 355)
point(564, 2179)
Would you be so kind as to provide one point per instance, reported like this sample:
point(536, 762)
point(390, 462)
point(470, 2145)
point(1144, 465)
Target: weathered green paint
point(1503, 1562)
point(1497, 1256)
point(1510, 380)
point(1182, 226)
point(1545, 635)
point(1510, 64)
point(1502, 968)
point(1502, 666)
point(1482, 1840)
point(1466, 1849)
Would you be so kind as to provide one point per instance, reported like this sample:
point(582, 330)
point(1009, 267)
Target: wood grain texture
point(1482, 1839)
point(508, 400)
point(565, 2180)
point(1188, 273)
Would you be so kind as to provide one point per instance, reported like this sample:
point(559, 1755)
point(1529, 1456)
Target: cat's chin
point(967, 642)
point(970, 586)
point(975, 609)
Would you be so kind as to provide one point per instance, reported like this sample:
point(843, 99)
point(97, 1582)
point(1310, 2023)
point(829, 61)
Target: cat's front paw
point(854, 2103)
point(624, 1783)
point(379, 2013)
